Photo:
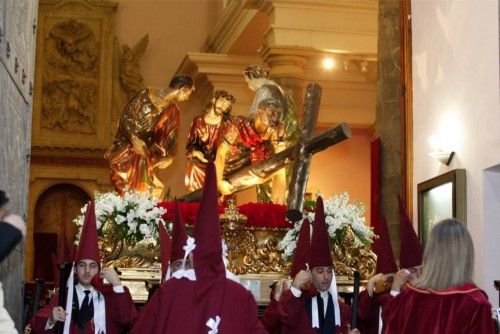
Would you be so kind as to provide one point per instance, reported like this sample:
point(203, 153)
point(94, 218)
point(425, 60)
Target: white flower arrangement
point(136, 215)
point(340, 215)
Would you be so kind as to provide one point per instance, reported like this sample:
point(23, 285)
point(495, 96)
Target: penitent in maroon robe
point(121, 314)
point(172, 309)
point(295, 319)
point(369, 309)
point(465, 309)
point(271, 317)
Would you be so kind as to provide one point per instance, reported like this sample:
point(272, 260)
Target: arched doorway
point(56, 206)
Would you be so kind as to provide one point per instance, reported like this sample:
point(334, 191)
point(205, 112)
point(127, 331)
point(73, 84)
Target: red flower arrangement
point(259, 215)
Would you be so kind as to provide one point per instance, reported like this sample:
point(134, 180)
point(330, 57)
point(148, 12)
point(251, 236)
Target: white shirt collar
point(81, 294)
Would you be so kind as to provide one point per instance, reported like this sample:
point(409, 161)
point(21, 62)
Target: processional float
point(252, 251)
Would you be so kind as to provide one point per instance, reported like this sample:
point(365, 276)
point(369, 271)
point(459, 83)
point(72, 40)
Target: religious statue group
point(146, 140)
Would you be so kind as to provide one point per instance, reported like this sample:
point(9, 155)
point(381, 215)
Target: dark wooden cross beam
point(304, 151)
point(300, 154)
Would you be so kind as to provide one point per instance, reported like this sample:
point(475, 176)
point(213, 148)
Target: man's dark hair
point(180, 81)
point(224, 94)
point(3, 198)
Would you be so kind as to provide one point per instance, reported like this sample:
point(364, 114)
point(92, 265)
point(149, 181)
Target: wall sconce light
point(442, 156)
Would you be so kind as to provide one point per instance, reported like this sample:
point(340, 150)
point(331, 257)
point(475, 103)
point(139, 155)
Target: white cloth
point(335, 297)
point(6, 323)
point(314, 312)
point(188, 248)
point(189, 274)
point(295, 292)
point(394, 293)
point(380, 323)
point(213, 325)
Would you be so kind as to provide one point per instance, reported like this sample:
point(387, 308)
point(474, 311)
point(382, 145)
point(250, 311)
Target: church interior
point(416, 82)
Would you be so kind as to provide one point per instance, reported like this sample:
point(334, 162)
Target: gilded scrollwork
point(117, 252)
point(252, 250)
point(349, 257)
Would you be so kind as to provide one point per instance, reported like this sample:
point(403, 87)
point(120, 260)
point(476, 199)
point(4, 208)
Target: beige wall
point(344, 167)
point(175, 27)
point(459, 107)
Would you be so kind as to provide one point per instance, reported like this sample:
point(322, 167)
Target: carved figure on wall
point(207, 132)
point(248, 141)
point(130, 75)
point(71, 48)
point(127, 78)
point(69, 105)
point(70, 78)
point(146, 139)
point(259, 82)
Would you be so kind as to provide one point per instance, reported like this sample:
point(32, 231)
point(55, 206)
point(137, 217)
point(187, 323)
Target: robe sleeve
point(149, 315)
point(480, 318)
point(345, 318)
point(121, 309)
point(367, 308)
point(9, 237)
point(290, 308)
point(271, 317)
point(254, 324)
point(43, 314)
point(385, 301)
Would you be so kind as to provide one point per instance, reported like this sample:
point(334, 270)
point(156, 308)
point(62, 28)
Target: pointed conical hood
point(88, 248)
point(207, 231)
point(320, 246)
point(179, 235)
point(165, 245)
point(207, 256)
point(301, 256)
point(411, 250)
point(383, 249)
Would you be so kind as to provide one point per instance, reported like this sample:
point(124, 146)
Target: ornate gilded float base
point(252, 254)
point(254, 250)
point(349, 257)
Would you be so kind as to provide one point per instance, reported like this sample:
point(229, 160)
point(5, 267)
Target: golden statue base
point(252, 254)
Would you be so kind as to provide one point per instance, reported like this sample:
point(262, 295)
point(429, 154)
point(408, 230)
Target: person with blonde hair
point(443, 299)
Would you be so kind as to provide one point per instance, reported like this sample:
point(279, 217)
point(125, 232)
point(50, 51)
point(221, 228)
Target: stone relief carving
point(72, 49)
point(69, 105)
point(70, 79)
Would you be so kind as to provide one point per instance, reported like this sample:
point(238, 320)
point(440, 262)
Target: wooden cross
point(308, 145)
